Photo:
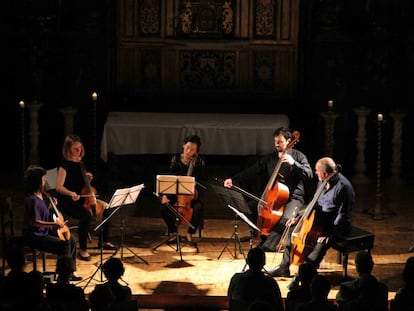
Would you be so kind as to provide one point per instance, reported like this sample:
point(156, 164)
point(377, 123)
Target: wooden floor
point(138, 228)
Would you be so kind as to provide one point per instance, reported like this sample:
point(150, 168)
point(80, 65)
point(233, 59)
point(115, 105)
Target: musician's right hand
point(75, 196)
point(228, 183)
point(58, 224)
point(292, 221)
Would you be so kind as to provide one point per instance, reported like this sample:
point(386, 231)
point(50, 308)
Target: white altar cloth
point(129, 133)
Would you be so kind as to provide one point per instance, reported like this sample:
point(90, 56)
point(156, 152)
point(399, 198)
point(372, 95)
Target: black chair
point(6, 219)
point(8, 236)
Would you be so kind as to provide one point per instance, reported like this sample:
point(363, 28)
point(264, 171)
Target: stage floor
point(204, 273)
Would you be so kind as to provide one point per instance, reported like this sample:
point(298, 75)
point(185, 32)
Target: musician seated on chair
point(77, 197)
point(40, 230)
point(330, 217)
point(187, 163)
point(287, 167)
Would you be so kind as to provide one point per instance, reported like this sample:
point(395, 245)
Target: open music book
point(172, 184)
point(125, 196)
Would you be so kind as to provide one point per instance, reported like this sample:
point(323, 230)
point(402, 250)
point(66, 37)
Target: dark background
point(354, 52)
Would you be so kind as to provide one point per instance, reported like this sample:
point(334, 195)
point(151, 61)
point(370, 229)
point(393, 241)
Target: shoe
point(75, 278)
point(84, 258)
point(279, 272)
point(109, 246)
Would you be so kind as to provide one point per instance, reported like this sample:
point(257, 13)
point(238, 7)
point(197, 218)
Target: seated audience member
point(113, 270)
point(404, 298)
point(351, 289)
point(101, 299)
point(306, 272)
point(254, 285)
point(16, 281)
point(320, 288)
point(259, 305)
point(367, 298)
point(63, 295)
point(34, 298)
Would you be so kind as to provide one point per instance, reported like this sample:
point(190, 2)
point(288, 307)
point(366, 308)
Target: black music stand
point(100, 228)
point(236, 202)
point(121, 198)
point(175, 185)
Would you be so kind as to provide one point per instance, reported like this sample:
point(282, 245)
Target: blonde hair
point(67, 144)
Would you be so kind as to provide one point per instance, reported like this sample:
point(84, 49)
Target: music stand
point(100, 228)
point(175, 185)
point(233, 198)
point(121, 198)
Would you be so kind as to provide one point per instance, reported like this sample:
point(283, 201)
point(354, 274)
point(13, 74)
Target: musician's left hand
point(288, 159)
point(89, 175)
point(55, 200)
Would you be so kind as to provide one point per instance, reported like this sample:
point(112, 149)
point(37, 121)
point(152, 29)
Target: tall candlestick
point(94, 100)
point(21, 105)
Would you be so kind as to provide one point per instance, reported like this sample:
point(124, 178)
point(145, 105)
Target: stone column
point(68, 116)
point(34, 108)
point(396, 160)
point(361, 139)
point(329, 119)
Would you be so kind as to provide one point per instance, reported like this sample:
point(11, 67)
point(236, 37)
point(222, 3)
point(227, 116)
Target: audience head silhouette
point(408, 272)
point(15, 257)
point(320, 287)
point(364, 262)
point(306, 272)
point(256, 259)
point(113, 269)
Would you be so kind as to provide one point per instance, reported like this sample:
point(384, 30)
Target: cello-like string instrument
point(271, 205)
point(63, 232)
point(306, 232)
point(183, 204)
point(94, 206)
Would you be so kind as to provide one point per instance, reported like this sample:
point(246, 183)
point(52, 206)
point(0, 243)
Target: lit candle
point(330, 104)
point(21, 104)
point(380, 117)
point(94, 96)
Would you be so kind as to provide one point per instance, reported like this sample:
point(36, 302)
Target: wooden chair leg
point(44, 261)
point(34, 259)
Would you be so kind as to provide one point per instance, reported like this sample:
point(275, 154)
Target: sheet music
point(244, 217)
point(125, 196)
point(172, 184)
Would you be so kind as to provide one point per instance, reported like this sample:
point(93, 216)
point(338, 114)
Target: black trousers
point(53, 244)
point(77, 211)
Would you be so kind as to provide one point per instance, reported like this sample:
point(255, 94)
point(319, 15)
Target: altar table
point(133, 133)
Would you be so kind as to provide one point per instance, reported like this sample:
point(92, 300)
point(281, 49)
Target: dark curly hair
point(33, 178)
